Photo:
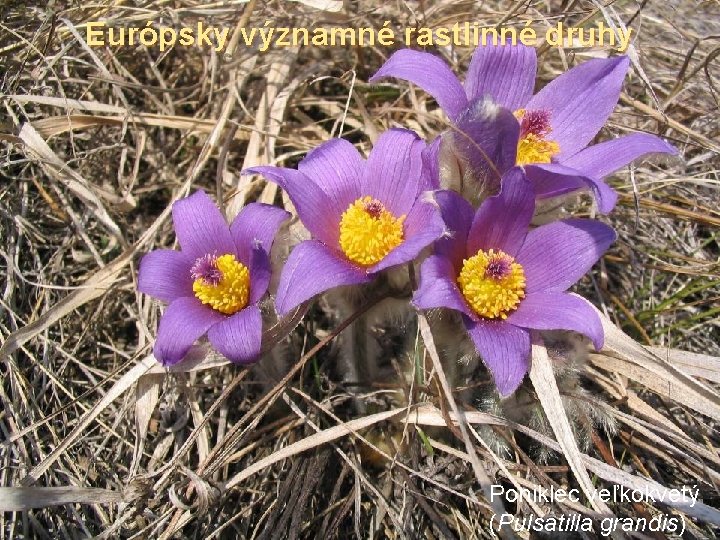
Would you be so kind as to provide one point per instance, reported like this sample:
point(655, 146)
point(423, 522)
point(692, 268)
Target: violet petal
point(431, 164)
point(504, 348)
point(260, 274)
point(185, 320)
point(581, 100)
point(256, 225)
point(557, 255)
point(200, 227)
point(502, 221)
point(239, 336)
point(313, 268)
point(553, 183)
point(559, 311)
point(603, 159)
point(458, 215)
point(422, 227)
point(504, 72)
point(438, 287)
point(554, 179)
point(165, 274)
point(317, 211)
point(394, 170)
point(428, 72)
point(336, 167)
point(486, 137)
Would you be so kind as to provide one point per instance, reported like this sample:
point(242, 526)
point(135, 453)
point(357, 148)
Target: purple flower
point(364, 216)
point(214, 283)
point(547, 133)
point(507, 281)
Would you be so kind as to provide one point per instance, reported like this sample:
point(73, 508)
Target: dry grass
point(213, 453)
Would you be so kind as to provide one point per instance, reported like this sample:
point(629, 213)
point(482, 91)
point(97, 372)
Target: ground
point(98, 141)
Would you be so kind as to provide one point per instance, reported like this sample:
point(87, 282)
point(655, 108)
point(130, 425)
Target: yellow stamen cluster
point(532, 147)
point(368, 232)
point(492, 294)
point(231, 293)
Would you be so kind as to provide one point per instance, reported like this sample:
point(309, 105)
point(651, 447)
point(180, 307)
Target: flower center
point(223, 283)
point(368, 232)
point(533, 146)
point(492, 283)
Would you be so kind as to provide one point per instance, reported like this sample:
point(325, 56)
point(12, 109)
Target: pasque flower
point(364, 216)
point(547, 133)
point(214, 283)
point(507, 281)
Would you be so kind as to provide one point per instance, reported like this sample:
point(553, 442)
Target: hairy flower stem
point(223, 449)
point(358, 359)
point(360, 356)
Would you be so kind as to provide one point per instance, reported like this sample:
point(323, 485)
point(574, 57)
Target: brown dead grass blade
point(627, 357)
point(120, 387)
point(56, 125)
point(323, 437)
point(697, 365)
point(543, 379)
point(98, 284)
point(22, 499)
point(79, 186)
point(433, 417)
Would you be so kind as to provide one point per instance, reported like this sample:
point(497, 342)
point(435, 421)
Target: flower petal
point(554, 179)
point(581, 100)
point(336, 167)
point(502, 221)
point(431, 164)
point(559, 311)
point(605, 196)
point(557, 255)
point(457, 215)
point(504, 72)
point(486, 137)
point(200, 227)
point(603, 159)
point(238, 337)
point(318, 212)
point(504, 348)
point(428, 72)
point(256, 226)
point(260, 274)
point(313, 268)
point(438, 287)
point(422, 227)
point(394, 171)
point(185, 320)
point(165, 274)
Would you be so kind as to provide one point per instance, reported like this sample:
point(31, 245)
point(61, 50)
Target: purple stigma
point(535, 122)
point(499, 267)
point(374, 208)
point(205, 268)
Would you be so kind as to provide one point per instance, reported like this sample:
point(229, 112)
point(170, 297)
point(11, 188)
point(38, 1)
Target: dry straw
point(99, 440)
